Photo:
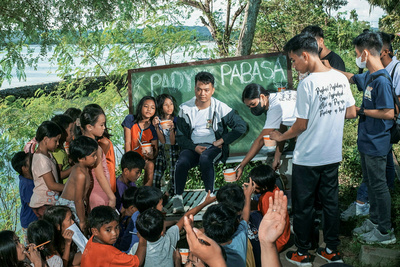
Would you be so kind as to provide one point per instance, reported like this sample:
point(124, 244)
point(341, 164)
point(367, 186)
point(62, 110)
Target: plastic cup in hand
point(146, 148)
point(268, 141)
point(184, 254)
point(230, 175)
point(165, 124)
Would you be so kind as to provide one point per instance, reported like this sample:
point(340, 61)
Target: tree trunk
point(249, 26)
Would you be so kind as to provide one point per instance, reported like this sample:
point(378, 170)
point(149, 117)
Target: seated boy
point(99, 251)
point(264, 178)
point(132, 165)
point(146, 197)
point(82, 151)
point(220, 223)
point(21, 164)
point(160, 244)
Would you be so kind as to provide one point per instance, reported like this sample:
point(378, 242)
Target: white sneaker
point(355, 209)
point(177, 204)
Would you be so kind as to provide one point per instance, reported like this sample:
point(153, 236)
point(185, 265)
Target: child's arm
point(248, 189)
point(67, 235)
point(196, 210)
point(51, 182)
point(128, 139)
point(80, 184)
point(141, 250)
point(101, 178)
point(172, 134)
point(160, 134)
point(65, 173)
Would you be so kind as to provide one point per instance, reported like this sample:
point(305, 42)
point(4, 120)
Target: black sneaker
point(335, 256)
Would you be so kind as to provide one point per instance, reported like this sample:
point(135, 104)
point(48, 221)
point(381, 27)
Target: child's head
point(103, 222)
point(264, 177)
point(93, 120)
point(83, 149)
point(21, 164)
point(368, 44)
point(150, 224)
point(220, 223)
point(128, 200)
point(49, 134)
point(132, 165)
point(11, 249)
point(148, 197)
point(74, 113)
point(39, 232)
point(66, 124)
point(165, 105)
point(146, 109)
point(232, 195)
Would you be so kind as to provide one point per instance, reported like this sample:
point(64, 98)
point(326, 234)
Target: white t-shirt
point(160, 252)
point(396, 76)
point(322, 98)
point(202, 127)
point(281, 109)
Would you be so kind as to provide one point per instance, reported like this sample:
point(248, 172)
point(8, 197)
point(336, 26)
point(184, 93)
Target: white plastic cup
point(184, 254)
point(268, 141)
point(165, 124)
point(230, 175)
point(146, 148)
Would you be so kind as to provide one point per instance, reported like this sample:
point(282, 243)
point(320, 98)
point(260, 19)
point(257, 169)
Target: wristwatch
point(361, 112)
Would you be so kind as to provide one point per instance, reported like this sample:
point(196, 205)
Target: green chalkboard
point(272, 71)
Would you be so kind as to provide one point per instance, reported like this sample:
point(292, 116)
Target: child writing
point(83, 152)
point(162, 244)
point(168, 152)
point(13, 252)
point(142, 131)
point(92, 125)
point(40, 232)
point(132, 165)
point(21, 164)
point(44, 169)
point(60, 155)
point(128, 208)
point(99, 251)
point(264, 179)
point(61, 218)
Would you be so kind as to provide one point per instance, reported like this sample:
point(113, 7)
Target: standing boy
point(324, 100)
point(99, 251)
point(82, 151)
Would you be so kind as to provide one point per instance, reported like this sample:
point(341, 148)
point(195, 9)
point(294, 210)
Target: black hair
point(74, 113)
point(369, 40)
point(90, 115)
point(264, 176)
point(131, 160)
point(253, 91)
point(105, 133)
point(47, 129)
point(63, 121)
point(231, 195)
point(138, 116)
point(19, 160)
point(100, 216)
point(300, 43)
point(204, 77)
point(220, 223)
point(314, 30)
point(128, 197)
point(147, 197)
point(81, 147)
point(39, 232)
point(160, 102)
point(56, 216)
point(8, 249)
point(387, 42)
point(150, 224)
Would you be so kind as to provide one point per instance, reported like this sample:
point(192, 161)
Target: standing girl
point(92, 125)
point(168, 153)
point(44, 169)
point(141, 132)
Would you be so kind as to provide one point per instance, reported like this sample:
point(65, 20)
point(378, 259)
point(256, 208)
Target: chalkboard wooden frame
point(205, 62)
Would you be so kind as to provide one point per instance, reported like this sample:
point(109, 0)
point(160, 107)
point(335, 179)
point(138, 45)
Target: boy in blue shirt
point(21, 164)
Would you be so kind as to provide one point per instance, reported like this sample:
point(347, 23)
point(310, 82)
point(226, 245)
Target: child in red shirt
point(264, 177)
point(99, 251)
